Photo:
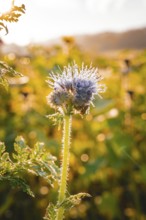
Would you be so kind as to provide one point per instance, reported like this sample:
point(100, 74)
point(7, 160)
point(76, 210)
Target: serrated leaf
point(36, 161)
point(50, 212)
point(20, 183)
point(5, 71)
point(56, 118)
point(17, 182)
point(73, 200)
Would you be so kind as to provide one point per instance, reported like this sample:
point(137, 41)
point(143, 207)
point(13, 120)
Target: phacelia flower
point(74, 89)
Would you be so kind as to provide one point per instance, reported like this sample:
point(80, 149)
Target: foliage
point(67, 203)
point(108, 148)
point(73, 200)
point(56, 118)
point(50, 212)
point(6, 70)
point(24, 160)
point(11, 16)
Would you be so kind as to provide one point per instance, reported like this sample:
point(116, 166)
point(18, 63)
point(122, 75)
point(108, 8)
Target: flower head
point(74, 89)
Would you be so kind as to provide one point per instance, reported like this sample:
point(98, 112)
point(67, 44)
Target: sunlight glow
point(48, 19)
point(4, 7)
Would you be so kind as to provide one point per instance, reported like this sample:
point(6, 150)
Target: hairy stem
point(65, 164)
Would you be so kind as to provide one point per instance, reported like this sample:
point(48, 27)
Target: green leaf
point(6, 71)
point(67, 203)
point(50, 212)
point(56, 118)
point(17, 182)
point(73, 200)
point(36, 161)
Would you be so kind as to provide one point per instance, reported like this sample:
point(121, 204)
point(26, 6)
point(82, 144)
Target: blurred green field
point(108, 146)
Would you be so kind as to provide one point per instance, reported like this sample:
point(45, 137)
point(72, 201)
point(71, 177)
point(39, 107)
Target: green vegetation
point(108, 148)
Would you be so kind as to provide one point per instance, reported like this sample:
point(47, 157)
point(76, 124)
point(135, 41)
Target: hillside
point(109, 41)
point(95, 43)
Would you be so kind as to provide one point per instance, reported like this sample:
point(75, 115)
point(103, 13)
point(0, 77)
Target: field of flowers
point(108, 147)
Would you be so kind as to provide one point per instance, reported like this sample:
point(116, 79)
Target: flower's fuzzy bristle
point(74, 88)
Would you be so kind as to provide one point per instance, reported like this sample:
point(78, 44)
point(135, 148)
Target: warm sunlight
point(73, 109)
point(49, 19)
point(4, 7)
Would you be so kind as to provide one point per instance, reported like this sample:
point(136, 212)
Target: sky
point(48, 19)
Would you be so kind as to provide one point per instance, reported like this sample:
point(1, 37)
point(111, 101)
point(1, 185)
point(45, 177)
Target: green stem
point(65, 164)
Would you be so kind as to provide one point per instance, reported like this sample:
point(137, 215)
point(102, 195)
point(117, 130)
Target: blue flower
point(74, 89)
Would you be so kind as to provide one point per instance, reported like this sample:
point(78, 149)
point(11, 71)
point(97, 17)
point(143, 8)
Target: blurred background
point(108, 146)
